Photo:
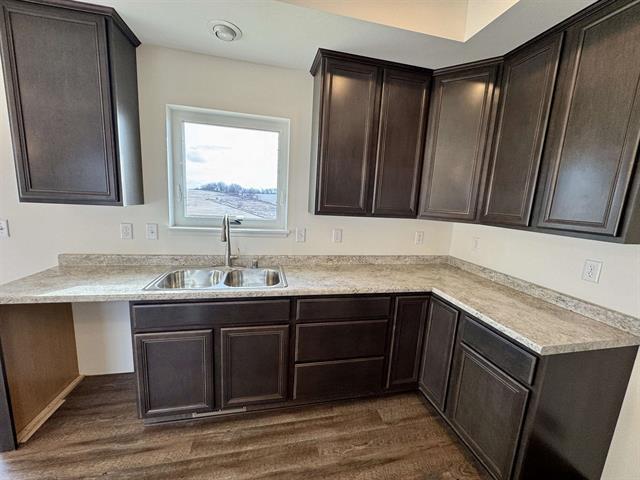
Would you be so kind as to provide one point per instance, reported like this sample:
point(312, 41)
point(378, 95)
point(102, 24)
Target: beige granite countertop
point(541, 326)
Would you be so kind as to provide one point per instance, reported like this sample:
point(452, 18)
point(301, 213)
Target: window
point(227, 163)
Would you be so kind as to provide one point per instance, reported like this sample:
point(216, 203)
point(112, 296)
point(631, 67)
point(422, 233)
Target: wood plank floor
point(96, 434)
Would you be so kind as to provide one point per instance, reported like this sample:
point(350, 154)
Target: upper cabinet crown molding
point(71, 84)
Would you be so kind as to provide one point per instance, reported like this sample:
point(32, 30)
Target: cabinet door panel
point(175, 372)
point(457, 132)
point(347, 138)
point(400, 142)
point(57, 77)
point(254, 364)
point(595, 126)
point(406, 343)
point(525, 99)
point(488, 410)
point(442, 322)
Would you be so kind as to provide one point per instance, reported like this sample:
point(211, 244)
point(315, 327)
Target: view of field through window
point(231, 171)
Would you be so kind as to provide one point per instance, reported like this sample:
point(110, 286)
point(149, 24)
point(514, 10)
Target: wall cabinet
point(71, 84)
point(442, 322)
point(175, 372)
point(367, 136)
point(406, 342)
point(457, 134)
point(526, 91)
point(594, 132)
point(254, 364)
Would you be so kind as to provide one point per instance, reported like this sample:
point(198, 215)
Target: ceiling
point(287, 35)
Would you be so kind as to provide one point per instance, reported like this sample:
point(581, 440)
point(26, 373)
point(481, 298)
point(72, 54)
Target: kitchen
point(523, 286)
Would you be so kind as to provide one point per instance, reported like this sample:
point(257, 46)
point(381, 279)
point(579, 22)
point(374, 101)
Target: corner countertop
point(543, 327)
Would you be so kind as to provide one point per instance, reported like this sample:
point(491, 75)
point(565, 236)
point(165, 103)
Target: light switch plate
point(126, 231)
point(419, 238)
point(4, 228)
point(152, 231)
point(336, 235)
point(301, 235)
point(475, 244)
point(591, 271)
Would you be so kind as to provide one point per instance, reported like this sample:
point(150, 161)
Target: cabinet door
point(487, 410)
point(254, 364)
point(347, 137)
point(595, 126)
point(442, 322)
point(56, 71)
point(525, 99)
point(406, 343)
point(175, 372)
point(400, 141)
point(457, 131)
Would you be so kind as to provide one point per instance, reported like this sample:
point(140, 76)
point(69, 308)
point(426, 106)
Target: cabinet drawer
point(340, 340)
point(501, 352)
point(339, 379)
point(311, 309)
point(178, 315)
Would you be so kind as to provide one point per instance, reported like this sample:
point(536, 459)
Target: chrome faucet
point(226, 237)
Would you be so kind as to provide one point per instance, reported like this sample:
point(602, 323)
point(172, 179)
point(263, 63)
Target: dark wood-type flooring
point(96, 434)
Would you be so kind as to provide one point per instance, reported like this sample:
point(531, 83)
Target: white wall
point(556, 262)
point(39, 231)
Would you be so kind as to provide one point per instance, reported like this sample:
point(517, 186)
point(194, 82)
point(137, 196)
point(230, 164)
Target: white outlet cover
point(126, 231)
point(301, 235)
point(336, 235)
point(4, 228)
point(475, 244)
point(152, 231)
point(419, 238)
point(591, 271)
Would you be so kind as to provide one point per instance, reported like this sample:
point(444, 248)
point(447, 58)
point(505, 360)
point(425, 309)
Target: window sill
point(236, 232)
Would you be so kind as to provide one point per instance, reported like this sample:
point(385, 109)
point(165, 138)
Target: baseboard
point(32, 427)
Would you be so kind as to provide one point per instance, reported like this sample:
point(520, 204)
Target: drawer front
point(339, 340)
point(179, 315)
point(321, 309)
point(339, 379)
point(500, 351)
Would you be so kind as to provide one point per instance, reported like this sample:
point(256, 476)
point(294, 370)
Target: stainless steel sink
point(218, 278)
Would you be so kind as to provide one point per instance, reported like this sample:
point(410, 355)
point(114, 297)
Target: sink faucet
point(226, 237)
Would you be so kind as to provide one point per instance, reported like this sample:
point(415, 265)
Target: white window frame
point(177, 115)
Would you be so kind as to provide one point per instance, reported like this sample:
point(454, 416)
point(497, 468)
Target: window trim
point(176, 115)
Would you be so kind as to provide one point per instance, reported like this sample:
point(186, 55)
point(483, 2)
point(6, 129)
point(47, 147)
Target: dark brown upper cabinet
point(400, 139)
point(592, 145)
point(526, 91)
point(457, 133)
point(368, 132)
point(71, 84)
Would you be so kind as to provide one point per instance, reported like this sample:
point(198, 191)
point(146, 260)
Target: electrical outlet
point(419, 238)
point(4, 228)
point(336, 235)
point(152, 231)
point(126, 231)
point(475, 244)
point(301, 235)
point(591, 271)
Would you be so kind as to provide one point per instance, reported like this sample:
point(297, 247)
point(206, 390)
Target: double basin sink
point(219, 278)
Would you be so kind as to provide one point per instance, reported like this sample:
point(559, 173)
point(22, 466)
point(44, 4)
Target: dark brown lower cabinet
point(487, 409)
point(406, 341)
point(442, 322)
point(254, 364)
point(175, 372)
